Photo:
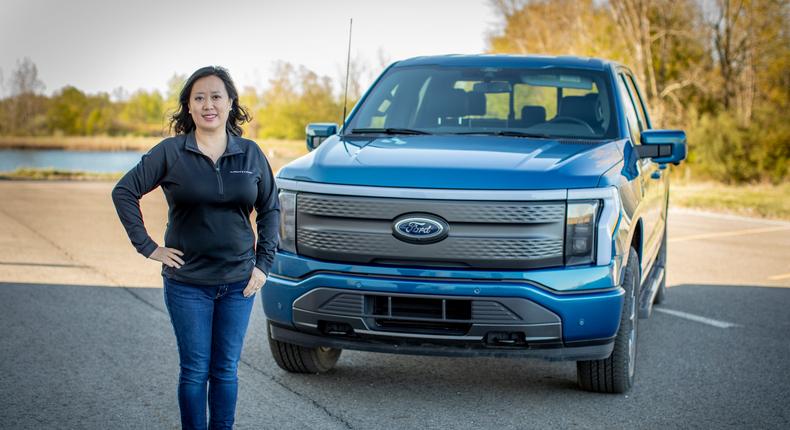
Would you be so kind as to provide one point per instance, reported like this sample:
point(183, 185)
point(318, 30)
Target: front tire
point(300, 359)
point(615, 374)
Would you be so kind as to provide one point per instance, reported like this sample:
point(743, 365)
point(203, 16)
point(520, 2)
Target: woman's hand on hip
point(170, 257)
point(257, 280)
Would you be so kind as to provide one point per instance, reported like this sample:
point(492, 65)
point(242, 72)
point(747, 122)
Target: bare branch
point(669, 89)
point(24, 80)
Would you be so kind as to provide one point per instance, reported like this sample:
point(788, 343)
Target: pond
point(87, 161)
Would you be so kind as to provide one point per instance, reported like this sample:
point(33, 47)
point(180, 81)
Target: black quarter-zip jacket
point(209, 208)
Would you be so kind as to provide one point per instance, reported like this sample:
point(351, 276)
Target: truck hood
point(456, 162)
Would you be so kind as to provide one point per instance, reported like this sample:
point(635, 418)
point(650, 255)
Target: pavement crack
point(303, 396)
point(140, 298)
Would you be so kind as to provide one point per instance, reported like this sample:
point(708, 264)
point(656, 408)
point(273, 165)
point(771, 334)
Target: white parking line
point(717, 215)
point(697, 318)
point(729, 233)
point(779, 277)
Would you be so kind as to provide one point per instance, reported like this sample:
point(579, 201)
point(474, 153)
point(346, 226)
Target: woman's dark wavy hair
point(181, 121)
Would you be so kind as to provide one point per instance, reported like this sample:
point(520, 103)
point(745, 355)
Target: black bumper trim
point(593, 350)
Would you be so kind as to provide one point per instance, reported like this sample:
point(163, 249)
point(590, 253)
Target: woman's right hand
point(170, 257)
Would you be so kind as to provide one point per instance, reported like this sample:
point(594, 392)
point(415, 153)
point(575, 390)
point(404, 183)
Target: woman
point(212, 179)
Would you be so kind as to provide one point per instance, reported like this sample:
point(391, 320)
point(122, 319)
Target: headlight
point(287, 221)
point(580, 227)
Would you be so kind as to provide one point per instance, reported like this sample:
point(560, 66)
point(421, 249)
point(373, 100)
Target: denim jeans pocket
point(236, 289)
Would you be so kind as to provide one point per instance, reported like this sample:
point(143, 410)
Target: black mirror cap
point(318, 132)
point(663, 146)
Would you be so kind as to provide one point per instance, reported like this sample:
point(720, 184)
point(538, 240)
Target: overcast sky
point(99, 45)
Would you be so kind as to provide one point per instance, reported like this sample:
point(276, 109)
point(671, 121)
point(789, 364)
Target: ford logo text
point(420, 228)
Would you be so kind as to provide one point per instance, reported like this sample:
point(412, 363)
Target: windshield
point(555, 103)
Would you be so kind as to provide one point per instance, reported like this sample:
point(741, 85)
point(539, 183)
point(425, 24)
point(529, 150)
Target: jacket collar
point(233, 144)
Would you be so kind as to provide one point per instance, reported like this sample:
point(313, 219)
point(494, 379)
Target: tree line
point(294, 97)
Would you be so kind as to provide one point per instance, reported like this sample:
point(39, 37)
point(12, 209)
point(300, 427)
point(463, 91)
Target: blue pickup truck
point(485, 205)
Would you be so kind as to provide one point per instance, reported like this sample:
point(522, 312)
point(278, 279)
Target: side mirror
point(663, 146)
point(318, 132)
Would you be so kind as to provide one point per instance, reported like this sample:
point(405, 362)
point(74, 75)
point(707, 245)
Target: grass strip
point(57, 175)
point(758, 200)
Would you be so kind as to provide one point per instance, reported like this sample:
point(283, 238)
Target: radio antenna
point(348, 67)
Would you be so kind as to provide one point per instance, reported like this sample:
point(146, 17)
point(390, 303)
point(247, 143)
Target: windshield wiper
point(387, 131)
point(509, 133)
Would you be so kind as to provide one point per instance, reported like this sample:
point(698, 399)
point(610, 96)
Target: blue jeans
point(209, 323)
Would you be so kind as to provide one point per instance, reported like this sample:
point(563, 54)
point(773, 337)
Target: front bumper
point(552, 313)
point(436, 347)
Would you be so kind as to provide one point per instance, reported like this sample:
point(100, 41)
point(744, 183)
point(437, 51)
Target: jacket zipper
point(215, 166)
point(219, 181)
point(216, 171)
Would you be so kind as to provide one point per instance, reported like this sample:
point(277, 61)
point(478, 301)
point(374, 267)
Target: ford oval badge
point(420, 228)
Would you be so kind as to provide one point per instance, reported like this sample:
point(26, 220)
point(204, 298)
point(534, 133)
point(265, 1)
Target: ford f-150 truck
point(477, 205)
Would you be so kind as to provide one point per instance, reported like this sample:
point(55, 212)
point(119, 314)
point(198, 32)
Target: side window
point(630, 111)
point(638, 102)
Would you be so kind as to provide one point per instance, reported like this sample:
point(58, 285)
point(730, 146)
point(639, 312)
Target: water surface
point(86, 161)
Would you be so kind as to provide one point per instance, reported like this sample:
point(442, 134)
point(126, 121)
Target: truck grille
point(462, 211)
point(482, 234)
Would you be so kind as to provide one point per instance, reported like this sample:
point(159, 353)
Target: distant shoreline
point(273, 148)
point(79, 143)
point(277, 151)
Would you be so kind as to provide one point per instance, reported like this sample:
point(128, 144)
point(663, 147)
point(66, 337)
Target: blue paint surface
point(456, 162)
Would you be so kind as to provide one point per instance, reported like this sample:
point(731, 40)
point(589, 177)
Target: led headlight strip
point(607, 206)
point(287, 221)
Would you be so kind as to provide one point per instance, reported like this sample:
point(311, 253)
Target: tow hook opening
point(505, 339)
point(335, 328)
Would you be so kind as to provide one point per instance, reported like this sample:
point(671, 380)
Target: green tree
point(250, 100)
point(144, 113)
point(296, 97)
point(68, 111)
point(101, 115)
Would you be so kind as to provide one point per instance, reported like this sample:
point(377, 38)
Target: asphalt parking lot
point(87, 343)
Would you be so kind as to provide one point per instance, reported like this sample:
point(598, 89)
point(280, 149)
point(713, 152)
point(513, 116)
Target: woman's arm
point(267, 208)
point(126, 196)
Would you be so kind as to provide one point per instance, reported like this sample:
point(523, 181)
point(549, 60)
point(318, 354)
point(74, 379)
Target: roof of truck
point(500, 60)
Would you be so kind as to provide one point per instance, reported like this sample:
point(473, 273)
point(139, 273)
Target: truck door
point(660, 187)
point(650, 178)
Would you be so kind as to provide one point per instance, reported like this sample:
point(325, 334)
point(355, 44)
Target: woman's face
point(209, 104)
